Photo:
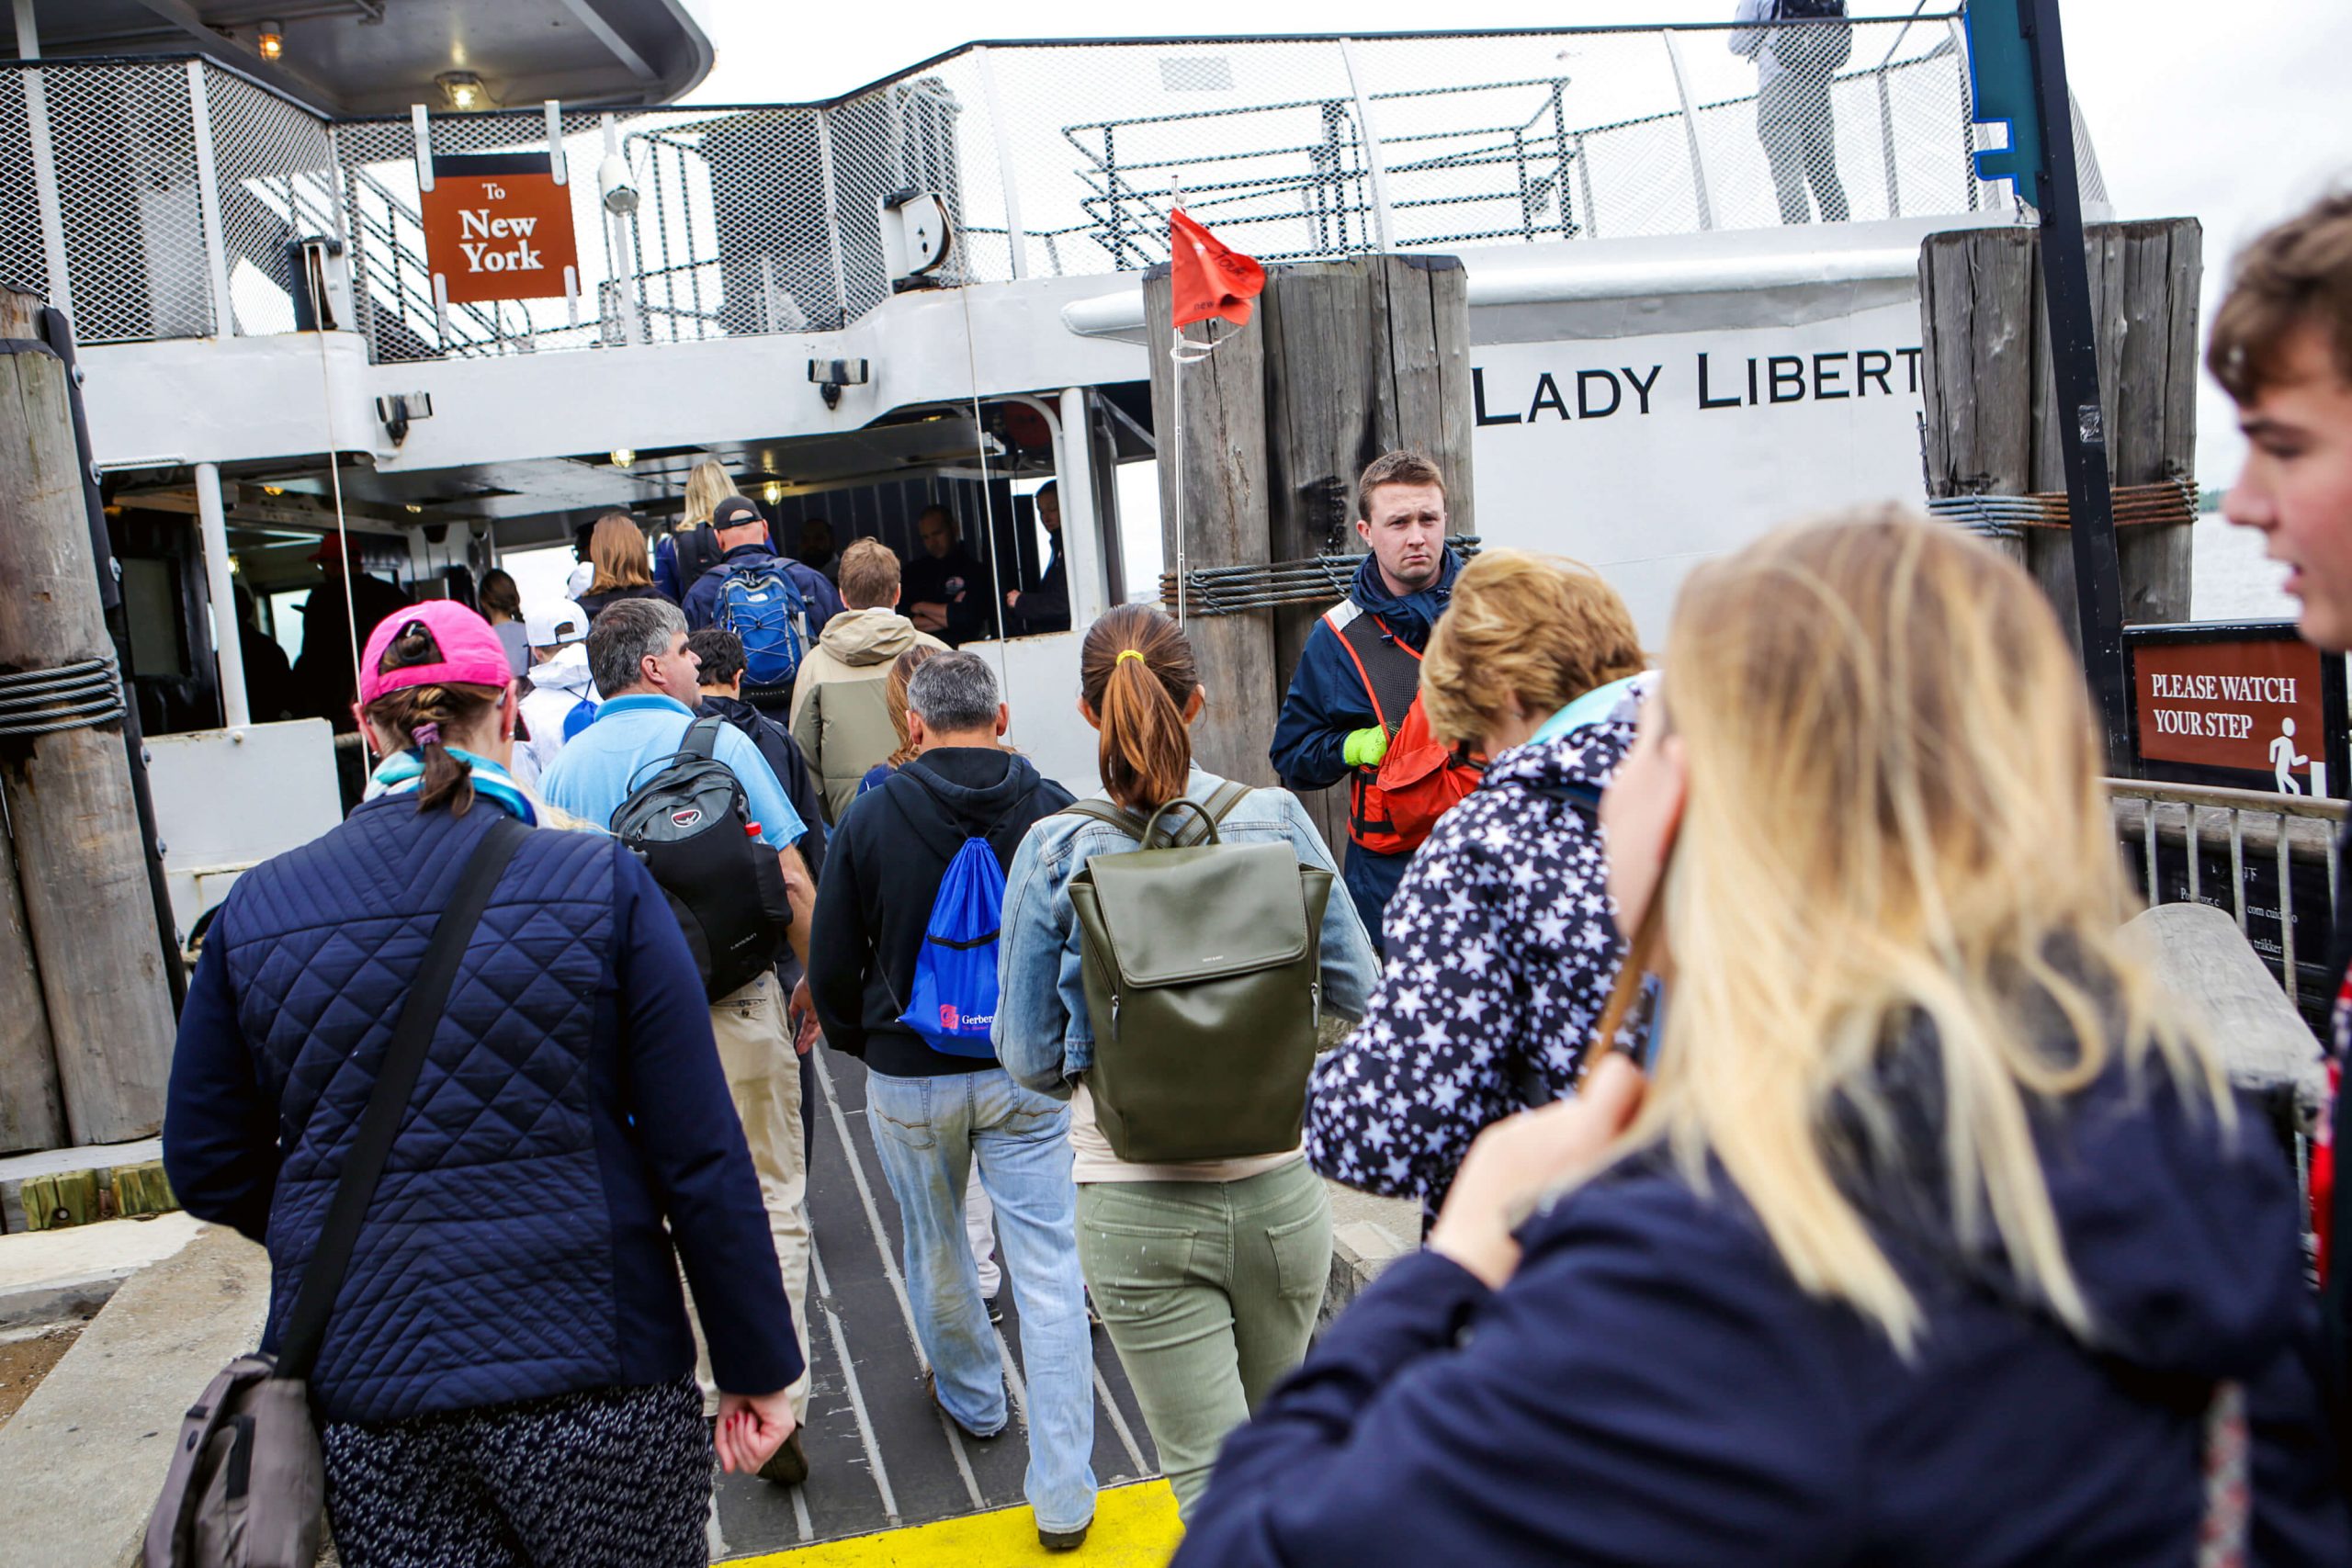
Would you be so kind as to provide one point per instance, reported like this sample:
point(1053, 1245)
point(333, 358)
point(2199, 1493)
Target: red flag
point(1209, 279)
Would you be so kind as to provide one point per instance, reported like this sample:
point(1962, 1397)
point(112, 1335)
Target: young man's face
point(936, 536)
point(2296, 487)
point(1407, 532)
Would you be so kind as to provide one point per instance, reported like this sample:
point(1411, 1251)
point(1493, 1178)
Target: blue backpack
point(953, 1002)
point(760, 603)
point(583, 715)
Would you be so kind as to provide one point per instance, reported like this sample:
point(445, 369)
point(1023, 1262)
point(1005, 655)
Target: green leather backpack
point(1203, 963)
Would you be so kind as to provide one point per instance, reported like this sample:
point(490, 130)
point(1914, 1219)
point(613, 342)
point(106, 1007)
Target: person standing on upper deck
point(1794, 116)
point(1361, 670)
point(2282, 348)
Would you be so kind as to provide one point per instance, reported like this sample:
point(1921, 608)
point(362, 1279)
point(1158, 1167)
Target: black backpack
point(696, 550)
point(691, 824)
point(1819, 47)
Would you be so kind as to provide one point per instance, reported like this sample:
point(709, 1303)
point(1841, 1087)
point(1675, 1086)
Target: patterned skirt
point(608, 1475)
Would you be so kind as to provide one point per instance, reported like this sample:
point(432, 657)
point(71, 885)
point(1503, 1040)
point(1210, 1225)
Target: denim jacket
point(1042, 1034)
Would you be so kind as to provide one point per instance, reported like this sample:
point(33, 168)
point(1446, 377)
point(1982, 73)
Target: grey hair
point(953, 693)
point(624, 634)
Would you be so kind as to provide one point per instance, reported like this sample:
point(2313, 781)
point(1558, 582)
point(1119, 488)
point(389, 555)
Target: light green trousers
point(1209, 1290)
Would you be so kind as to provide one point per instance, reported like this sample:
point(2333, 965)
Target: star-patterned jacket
point(1501, 951)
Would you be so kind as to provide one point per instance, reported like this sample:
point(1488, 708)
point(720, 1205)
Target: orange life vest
point(1392, 807)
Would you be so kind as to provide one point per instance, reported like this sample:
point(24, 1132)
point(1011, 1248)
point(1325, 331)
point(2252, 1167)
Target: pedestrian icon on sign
point(2285, 759)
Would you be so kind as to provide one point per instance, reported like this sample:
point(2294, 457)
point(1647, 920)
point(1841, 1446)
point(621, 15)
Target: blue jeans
point(929, 1131)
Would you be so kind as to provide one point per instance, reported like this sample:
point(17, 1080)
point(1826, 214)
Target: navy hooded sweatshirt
point(1652, 1387)
point(1326, 702)
point(889, 853)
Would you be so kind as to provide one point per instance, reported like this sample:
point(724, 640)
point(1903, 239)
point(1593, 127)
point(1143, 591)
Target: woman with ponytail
point(508, 1351)
point(1208, 1275)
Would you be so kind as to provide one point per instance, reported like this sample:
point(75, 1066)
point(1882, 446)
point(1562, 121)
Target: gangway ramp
point(890, 1479)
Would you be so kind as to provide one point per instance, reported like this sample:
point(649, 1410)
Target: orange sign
point(2254, 706)
point(498, 227)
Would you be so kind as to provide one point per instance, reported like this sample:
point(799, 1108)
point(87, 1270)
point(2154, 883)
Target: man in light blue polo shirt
point(636, 652)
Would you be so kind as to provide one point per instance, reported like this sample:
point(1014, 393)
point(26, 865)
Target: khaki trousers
point(764, 1078)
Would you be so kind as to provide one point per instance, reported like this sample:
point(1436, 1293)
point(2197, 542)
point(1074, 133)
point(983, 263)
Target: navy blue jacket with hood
point(571, 1103)
point(1327, 701)
point(1652, 1387)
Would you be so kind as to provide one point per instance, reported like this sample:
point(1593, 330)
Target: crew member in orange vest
point(1353, 710)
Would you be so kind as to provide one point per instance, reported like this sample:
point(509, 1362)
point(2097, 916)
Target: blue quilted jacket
point(570, 1103)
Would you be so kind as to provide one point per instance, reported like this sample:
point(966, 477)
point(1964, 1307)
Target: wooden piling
point(1992, 408)
point(69, 797)
point(32, 1111)
point(1363, 357)
point(1222, 520)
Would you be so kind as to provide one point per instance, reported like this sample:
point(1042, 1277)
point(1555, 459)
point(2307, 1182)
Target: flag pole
point(1176, 401)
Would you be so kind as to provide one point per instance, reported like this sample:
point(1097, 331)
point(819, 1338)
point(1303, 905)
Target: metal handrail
point(2237, 805)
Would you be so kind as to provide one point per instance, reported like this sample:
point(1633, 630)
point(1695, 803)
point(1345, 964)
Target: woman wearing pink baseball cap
point(507, 1350)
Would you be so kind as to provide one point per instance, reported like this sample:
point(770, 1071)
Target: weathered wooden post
point(1221, 521)
point(2143, 286)
point(1363, 356)
point(1977, 369)
point(1991, 409)
point(32, 1116)
point(68, 792)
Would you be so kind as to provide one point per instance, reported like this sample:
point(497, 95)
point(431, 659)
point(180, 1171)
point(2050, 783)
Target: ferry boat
point(926, 291)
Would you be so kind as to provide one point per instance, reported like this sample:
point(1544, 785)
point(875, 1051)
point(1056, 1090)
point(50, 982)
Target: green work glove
point(1365, 748)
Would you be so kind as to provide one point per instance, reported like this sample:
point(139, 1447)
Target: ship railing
point(159, 198)
point(2268, 859)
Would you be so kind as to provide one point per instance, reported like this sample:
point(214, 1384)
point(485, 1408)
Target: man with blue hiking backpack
point(776, 605)
point(902, 963)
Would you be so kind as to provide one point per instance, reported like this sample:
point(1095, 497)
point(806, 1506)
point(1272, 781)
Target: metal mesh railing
point(123, 145)
point(22, 262)
point(1054, 160)
point(274, 165)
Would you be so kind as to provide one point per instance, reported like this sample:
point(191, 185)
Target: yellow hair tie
point(1127, 653)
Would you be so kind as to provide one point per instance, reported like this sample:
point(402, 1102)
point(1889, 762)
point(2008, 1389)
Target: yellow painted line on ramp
point(1134, 1527)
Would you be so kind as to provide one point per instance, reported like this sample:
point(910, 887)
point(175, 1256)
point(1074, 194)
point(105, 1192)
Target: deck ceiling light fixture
point(271, 40)
point(461, 89)
point(771, 492)
point(623, 456)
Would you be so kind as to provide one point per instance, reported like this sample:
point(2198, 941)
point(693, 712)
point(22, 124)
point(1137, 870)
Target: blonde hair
point(1541, 630)
point(1895, 826)
point(894, 695)
point(617, 549)
point(706, 488)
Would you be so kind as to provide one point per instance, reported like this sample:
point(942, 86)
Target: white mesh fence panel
point(274, 165)
point(123, 142)
point(23, 264)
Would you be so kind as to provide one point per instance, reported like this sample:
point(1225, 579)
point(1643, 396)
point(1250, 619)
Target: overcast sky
point(2234, 114)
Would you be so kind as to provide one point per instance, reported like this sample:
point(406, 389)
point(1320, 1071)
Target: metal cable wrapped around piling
point(70, 696)
point(1267, 585)
point(2170, 501)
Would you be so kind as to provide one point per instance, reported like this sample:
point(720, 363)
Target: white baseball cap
point(555, 623)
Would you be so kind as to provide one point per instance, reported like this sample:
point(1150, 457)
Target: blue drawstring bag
point(953, 1005)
